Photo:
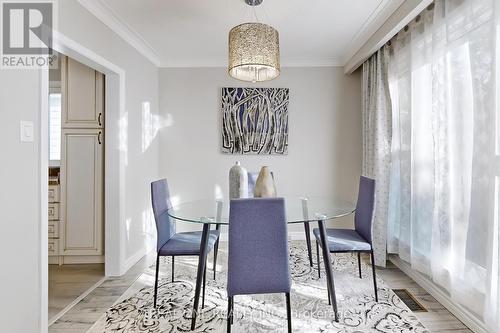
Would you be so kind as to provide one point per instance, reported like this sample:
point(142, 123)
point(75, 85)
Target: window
point(55, 127)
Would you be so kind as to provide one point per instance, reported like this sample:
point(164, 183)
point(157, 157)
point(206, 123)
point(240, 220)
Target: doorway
point(76, 184)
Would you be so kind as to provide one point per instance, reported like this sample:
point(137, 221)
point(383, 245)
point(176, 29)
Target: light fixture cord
point(255, 14)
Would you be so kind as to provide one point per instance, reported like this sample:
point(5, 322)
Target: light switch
point(27, 134)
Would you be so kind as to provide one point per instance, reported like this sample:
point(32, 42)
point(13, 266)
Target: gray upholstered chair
point(170, 243)
point(258, 260)
point(358, 240)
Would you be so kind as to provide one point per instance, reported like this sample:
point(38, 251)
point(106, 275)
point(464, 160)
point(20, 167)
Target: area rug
point(358, 311)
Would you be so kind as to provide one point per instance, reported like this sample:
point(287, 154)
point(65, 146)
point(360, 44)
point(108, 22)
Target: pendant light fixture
point(254, 51)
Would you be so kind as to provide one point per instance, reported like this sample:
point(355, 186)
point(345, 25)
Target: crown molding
point(111, 19)
point(382, 12)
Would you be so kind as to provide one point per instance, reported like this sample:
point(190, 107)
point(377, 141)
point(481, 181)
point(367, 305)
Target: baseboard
point(464, 315)
point(298, 235)
point(132, 260)
point(68, 260)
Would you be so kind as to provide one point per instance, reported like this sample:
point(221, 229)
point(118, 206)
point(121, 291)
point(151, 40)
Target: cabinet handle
point(99, 119)
point(99, 137)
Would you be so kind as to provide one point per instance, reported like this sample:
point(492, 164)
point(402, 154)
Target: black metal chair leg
point(229, 313)
point(359, 264)
point(216, 250)
point(204, 286)
point(317, 258)
point(374, 276)
point(173, 268)
point(288, 312)
point(156, 278)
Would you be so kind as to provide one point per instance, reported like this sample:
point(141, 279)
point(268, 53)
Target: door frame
point(114, 163)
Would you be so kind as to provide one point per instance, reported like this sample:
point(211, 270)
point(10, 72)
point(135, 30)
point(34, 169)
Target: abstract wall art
point(255, 120)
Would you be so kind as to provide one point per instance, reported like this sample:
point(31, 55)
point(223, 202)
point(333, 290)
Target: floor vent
point(410, 300)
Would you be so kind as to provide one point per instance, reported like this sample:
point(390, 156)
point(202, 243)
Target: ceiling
point(194, 33)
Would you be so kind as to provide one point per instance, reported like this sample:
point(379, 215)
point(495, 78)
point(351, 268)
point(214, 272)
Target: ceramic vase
point(264, 186)
point(238, 182)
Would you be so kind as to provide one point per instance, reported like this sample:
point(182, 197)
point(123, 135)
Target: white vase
point(264, 186)
point(238, 182)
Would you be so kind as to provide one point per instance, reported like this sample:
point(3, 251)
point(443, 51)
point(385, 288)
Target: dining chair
point(170, 243)
point(252, 179)
point(358, 240)
point(258, 258)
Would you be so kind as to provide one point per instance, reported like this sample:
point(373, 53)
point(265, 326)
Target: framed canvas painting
point(255, 120)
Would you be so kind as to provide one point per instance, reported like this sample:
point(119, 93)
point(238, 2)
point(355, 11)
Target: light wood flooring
point(83, 315)
point(68, 282)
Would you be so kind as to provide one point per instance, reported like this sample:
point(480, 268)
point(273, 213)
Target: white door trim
point(114, 170)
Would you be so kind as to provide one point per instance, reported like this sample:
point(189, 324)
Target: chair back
point(258, 247)
point(364, 208)
point(160, 199)
point(252, 179)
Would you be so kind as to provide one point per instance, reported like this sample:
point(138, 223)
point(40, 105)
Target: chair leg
point(317, 258)
point(156, 278)
point(288, 312)
point(216, 250)
point(374, 276)
point(359, 264)
point(229, 313)
point(204, 286)
point(173, 268)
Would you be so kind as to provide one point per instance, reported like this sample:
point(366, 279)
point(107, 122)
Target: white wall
point(19, 203)
point(324, 133)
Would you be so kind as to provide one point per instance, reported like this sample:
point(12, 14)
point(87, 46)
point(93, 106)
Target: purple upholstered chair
point(258, 251)
point(170, 243)
point(358, 240)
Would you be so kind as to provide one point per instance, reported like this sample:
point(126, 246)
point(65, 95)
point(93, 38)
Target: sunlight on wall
point(175, 200)
point(148, 230)
point(218, 192)
point(128, 221)
point(123, 136)
point(152, 124)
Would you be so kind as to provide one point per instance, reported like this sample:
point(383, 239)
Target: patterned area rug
point(358, 311)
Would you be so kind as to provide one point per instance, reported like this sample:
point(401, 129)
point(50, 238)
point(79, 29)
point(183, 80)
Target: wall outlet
point(27, 131)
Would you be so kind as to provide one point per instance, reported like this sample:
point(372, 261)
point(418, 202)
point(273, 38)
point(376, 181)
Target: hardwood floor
point(83, 315)
point(437, 318)
point(68, 282)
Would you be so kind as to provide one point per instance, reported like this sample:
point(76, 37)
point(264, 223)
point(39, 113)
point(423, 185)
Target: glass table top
point(298, 210)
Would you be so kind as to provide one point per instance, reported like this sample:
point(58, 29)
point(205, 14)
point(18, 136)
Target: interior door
point(82, 191)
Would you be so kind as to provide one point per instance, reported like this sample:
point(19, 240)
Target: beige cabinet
point(81, 205)
point(54, 223)
point(82, 95)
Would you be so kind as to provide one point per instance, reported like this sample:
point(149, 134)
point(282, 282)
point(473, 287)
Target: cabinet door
point(82, 192)
point(82, 95)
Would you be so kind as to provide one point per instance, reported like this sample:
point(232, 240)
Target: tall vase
point(238, 182)
point(264, 186)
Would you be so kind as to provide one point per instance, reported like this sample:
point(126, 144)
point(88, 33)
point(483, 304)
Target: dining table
point(298, 209)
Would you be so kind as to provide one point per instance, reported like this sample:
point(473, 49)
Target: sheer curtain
point(377, 128)
point(444, 166)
